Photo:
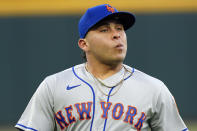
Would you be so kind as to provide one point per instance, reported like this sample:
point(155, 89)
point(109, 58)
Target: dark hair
point(83, 54)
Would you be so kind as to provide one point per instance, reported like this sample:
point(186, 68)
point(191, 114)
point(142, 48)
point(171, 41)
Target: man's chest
point(81, 106)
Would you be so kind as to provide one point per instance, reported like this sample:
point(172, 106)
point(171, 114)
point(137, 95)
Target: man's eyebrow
point(108, 22)
point(101, 24)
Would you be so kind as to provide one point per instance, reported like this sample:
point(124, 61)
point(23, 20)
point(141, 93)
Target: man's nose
point(115, 34)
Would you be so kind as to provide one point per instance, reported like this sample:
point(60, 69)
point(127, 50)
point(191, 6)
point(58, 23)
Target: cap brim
point(127, 19)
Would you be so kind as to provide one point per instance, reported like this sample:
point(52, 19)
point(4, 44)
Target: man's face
point(107, 42)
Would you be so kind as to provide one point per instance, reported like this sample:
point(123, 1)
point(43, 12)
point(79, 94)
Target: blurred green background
point(33, 45)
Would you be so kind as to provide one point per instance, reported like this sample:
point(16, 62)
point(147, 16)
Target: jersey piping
point(27, 127)
point(92, 93)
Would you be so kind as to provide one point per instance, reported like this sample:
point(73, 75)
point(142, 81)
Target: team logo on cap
point(110, 9)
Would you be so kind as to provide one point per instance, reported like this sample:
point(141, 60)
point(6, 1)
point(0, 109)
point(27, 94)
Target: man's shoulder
point(141, 77)
point(64, 74)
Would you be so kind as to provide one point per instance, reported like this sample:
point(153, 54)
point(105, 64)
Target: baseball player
point(102, 94)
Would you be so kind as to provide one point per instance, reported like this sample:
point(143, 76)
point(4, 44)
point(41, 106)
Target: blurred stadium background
point(39, 38)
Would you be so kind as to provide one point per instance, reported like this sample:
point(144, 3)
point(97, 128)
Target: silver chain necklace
point(118, 84)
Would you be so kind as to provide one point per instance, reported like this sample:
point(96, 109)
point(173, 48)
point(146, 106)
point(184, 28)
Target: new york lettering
point(84, 110)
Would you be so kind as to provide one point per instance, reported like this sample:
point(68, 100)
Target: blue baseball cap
point(95, 14)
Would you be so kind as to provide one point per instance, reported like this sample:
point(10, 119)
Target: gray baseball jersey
point(74, 100)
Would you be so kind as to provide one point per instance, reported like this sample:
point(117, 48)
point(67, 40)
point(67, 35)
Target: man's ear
point(82, 43)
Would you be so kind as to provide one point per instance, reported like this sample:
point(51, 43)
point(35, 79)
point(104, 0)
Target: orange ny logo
point(110, 9)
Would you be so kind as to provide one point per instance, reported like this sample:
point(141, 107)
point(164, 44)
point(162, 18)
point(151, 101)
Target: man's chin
point(119, 59)
point(114, 62)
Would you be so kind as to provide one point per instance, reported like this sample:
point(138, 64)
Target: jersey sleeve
point(166, 116)
point(38, 115)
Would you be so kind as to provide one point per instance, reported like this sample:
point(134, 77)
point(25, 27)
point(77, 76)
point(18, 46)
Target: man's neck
point(102, 71)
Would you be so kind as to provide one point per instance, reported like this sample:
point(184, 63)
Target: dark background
point(31, 48)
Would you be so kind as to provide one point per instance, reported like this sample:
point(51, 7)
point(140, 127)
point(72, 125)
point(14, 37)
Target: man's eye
point(119, 28)
point(103, 30)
